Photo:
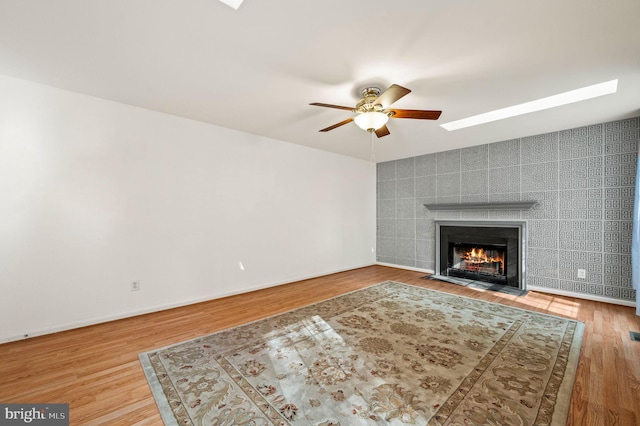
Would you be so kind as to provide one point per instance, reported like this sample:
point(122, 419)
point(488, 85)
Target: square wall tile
point(425, 250)
point(387, 189)
point(406, 248)
point(448, 185)
point(426, 165)
point(406, 208)
point(425, 229)
point(387, 228)
point(405, 168)
point(504, 180)
point(425, 186)
point(386, 170)
point(474, 158)
point(448, 161)
point(539, 177)
point(474, 182)
point(387, 209)
point(406, 228)
point(504, 154)
point(387, 247)
point(406, 188)
point(539, 148)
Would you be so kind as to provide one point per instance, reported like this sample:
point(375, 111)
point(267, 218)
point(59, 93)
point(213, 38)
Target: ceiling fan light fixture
point(371, 120)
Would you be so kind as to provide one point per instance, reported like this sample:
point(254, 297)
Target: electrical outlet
point(582, 273)
point(135, 285)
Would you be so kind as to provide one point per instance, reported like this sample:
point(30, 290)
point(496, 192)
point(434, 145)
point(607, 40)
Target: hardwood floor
point(96, 370)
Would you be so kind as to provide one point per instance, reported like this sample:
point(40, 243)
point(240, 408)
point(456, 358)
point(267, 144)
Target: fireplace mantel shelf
point(509, 205)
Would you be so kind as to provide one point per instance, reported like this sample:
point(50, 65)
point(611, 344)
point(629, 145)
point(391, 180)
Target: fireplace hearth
point(484, 251)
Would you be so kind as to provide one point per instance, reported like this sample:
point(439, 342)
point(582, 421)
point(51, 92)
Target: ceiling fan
point(373, 110)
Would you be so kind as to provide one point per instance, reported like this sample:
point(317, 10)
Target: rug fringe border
point(166, 413)
point(565, 391)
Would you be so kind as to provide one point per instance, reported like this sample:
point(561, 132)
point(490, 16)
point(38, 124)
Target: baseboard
point(592, 297)
point(408, 268)
point(130, 314)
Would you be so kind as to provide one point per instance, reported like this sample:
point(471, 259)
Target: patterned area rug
point(388, 354)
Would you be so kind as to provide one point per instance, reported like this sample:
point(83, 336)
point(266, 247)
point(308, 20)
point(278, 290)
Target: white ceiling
point(257, 69)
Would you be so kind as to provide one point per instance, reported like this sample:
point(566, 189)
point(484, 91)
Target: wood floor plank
point(96, 369)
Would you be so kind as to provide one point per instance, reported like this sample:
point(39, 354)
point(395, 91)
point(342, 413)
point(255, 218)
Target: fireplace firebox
point(490, 252)
point(484, 261)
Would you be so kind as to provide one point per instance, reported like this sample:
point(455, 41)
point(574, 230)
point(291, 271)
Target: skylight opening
point(565, 98)
point(233, 3)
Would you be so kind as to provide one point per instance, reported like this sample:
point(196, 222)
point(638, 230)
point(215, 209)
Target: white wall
point(96, 194)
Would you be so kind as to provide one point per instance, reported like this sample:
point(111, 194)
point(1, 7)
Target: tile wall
point(583, 180)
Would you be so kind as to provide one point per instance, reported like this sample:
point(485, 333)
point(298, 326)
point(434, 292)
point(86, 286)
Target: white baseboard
point(108, 318)
point(408, 268)
point(593, 297)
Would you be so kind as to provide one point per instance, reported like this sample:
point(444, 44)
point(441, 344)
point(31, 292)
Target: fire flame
point(479, 255)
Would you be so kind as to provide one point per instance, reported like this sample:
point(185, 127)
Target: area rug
point(391, 354)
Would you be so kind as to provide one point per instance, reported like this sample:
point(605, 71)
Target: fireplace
point(486, 251)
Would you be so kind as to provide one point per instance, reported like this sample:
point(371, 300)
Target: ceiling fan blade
point(415, 113)
point(392, 94)
point(382, 131)
point(342, 123)
point(333, 106)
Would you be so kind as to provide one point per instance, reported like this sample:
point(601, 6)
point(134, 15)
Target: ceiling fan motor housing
point(367, 103)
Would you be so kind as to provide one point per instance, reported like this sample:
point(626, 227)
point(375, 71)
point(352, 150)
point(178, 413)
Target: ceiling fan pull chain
point(373, 157)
